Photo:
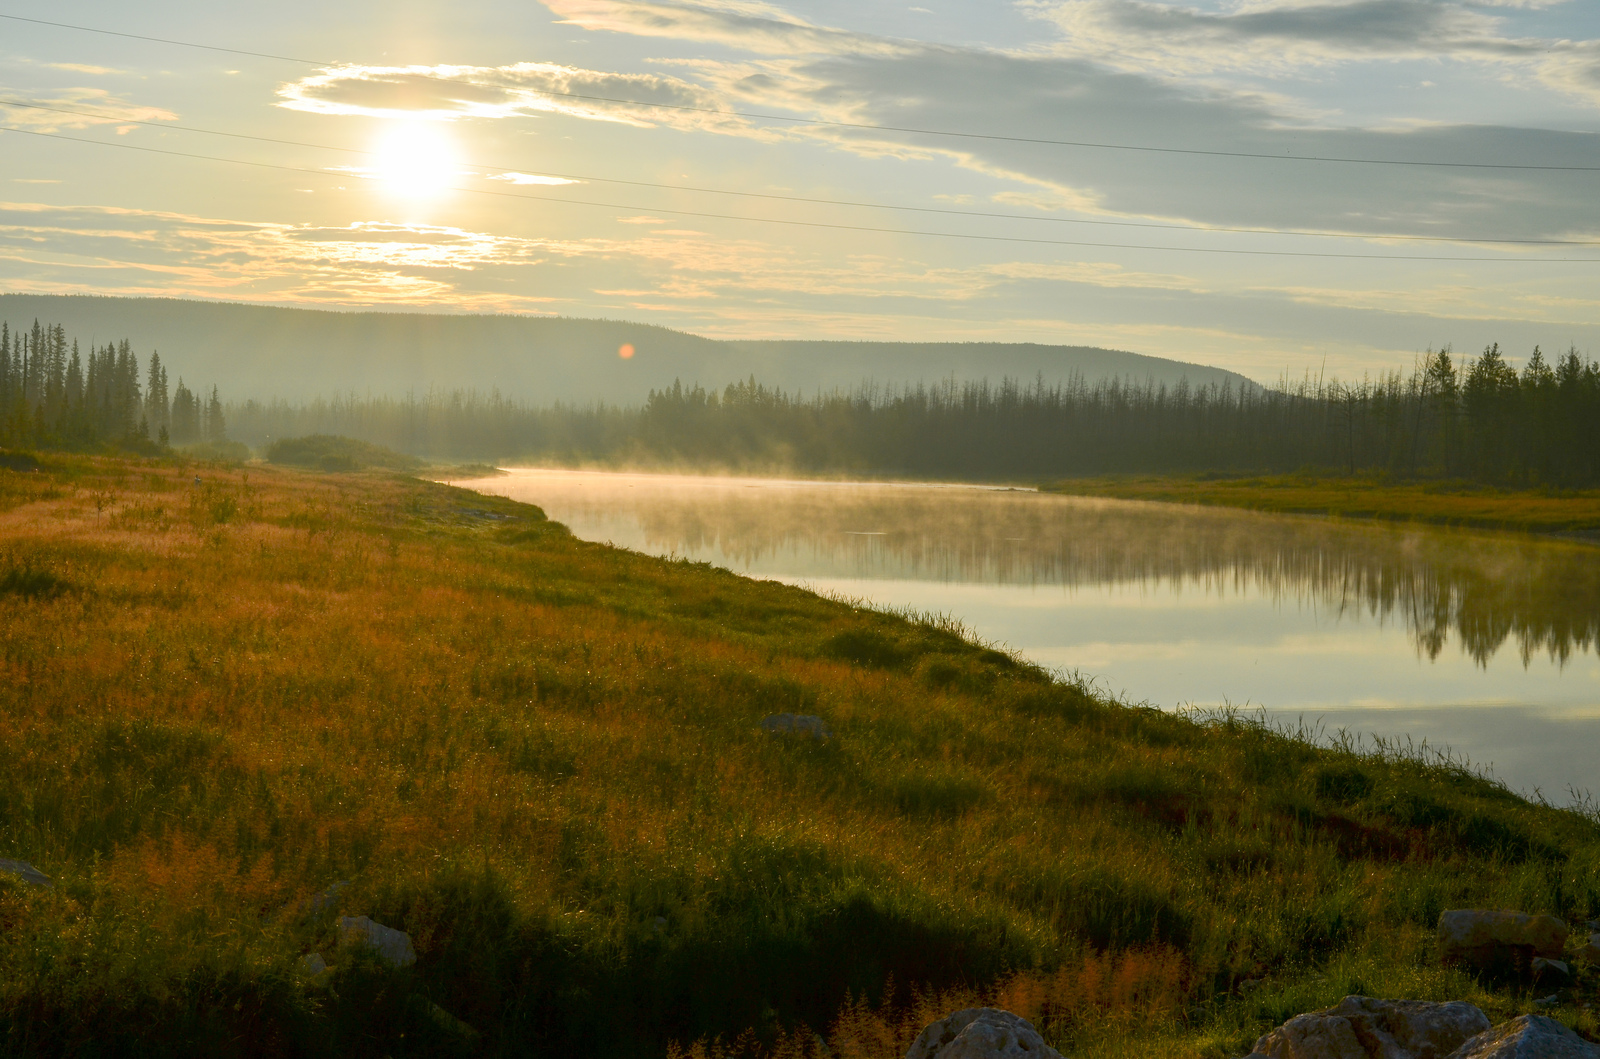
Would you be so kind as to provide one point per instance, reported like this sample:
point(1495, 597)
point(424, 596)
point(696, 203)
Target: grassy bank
point(1575, 512)
point(542, 758)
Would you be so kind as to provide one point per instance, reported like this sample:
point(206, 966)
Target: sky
point(1414, 173)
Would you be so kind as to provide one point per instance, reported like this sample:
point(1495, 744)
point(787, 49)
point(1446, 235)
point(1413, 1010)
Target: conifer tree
point(216, 427)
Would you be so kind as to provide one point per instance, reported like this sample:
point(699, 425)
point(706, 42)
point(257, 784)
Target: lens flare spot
point(625, 351)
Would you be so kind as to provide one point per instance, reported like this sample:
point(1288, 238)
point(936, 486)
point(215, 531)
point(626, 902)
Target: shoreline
point(1574, 516)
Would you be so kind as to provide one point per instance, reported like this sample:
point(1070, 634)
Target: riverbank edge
point(1567, 514)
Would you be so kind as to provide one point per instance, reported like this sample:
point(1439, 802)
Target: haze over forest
point(266, 352)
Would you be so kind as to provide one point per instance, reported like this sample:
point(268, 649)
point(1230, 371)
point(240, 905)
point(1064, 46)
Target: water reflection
point(1482, 591)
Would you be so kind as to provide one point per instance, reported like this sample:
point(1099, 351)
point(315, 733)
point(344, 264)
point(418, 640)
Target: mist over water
point(1486, 643)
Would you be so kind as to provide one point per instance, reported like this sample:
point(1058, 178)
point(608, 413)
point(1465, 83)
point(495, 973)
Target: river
point(1483, 644)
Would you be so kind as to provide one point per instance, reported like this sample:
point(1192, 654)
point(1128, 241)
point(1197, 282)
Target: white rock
point(393, 946)
point(26, 872)
point(1476, 935)
point(981, 1033)
point(1360, 1027)
point(1527, 1037)
point(798, 724)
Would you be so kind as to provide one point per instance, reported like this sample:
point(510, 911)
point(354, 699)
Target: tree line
point(1477, 418)
point(51, 395)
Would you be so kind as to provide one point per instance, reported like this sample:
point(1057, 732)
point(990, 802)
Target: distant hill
point(265, 351)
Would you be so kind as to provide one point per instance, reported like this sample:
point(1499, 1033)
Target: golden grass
point(541, 757)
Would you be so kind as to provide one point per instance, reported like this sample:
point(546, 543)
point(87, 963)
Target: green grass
point(542, 758)
point(1453, 503)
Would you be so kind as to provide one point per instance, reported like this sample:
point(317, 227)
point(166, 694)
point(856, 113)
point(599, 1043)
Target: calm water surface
point(1484, 643)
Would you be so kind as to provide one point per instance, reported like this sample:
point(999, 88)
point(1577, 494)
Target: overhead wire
point(816, 200)
point(795, 222)
point(864, 126)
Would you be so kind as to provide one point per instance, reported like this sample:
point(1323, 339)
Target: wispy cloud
point(84, 68)
point(754, 27)
point(94, 107)
point(532, 178)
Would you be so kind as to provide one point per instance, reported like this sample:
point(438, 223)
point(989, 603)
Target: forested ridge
point(1477, 418)
point(52, 396)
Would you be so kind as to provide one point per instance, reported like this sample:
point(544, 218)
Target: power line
point(939, 210)
point(863, 126)
point(971, 237)
point(165, 40)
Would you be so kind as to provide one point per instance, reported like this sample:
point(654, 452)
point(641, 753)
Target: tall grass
point(542, 758)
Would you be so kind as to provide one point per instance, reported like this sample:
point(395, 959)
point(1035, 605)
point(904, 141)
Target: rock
point(313, 964)
point(1527, 1037)
point(325, 901)
point(1591, 951)
point(451, 1025)
point(981, 1033)
point(1499, 942)
point(800, 724)
point(26, 872)
point(1550, 974)
point(1360, 1027)
point(392, 946)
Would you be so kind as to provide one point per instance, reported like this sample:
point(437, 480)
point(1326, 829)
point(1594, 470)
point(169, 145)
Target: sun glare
point(416, 159)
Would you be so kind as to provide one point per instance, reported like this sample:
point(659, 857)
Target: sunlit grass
point(541, 757)
point(1444, 502)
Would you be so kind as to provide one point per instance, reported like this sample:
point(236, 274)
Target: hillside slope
point(264, 351)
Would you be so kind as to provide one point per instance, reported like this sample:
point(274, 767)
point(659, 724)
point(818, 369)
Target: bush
point(332, 452)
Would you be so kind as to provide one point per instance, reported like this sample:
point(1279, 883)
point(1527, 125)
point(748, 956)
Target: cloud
point(84, 68)
point(101, 106)
point(127, 251)
point(522, 89)
point(1037, 98)
point(532, 178)
point(754, 27)
point(1287, 37)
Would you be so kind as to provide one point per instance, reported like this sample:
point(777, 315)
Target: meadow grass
point(542, 758)
point(1452, 503)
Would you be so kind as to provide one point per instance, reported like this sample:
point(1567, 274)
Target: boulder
point(313, 964)
point(1501, 942)
point(1527, 1037)
point(392, 946)
point(981, 1033)
point(1360, 1027)
point(799, 724)
point(30, 875)
point(1550, 974)
point(1591, 951)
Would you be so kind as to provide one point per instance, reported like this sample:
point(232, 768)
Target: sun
point(415, 159)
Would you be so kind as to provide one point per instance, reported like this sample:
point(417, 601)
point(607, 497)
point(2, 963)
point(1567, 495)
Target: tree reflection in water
point(1484, 588)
